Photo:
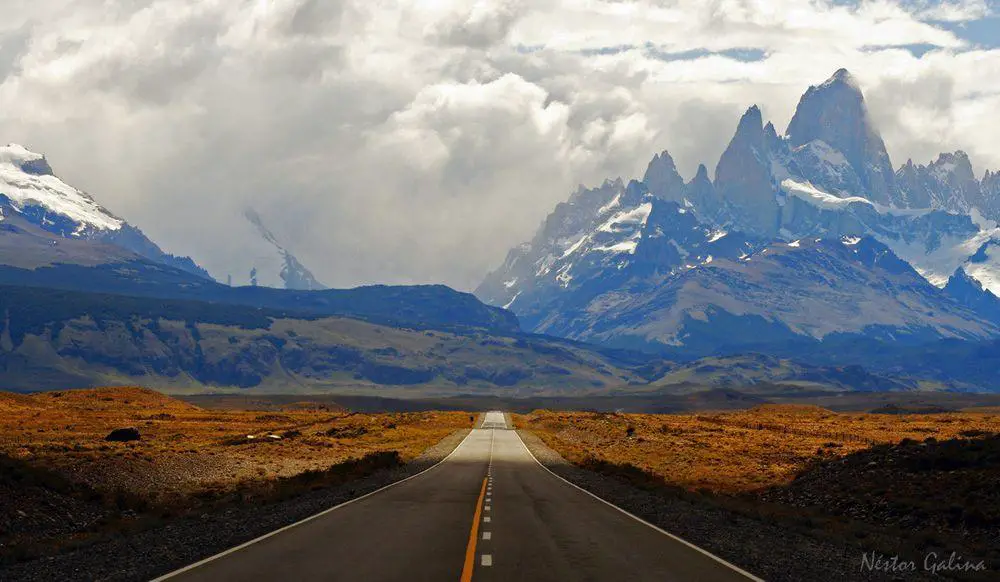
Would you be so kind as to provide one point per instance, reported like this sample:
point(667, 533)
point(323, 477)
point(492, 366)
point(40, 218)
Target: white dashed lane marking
point(487, 559)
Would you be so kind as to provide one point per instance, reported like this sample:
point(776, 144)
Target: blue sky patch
point(917, 50)
point(984, 33)
point(740, 54)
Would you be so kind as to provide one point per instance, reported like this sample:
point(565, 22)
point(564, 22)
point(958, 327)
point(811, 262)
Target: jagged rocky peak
point(835, 113)
point(991, 185)
point(634, 192)
point(700, 193)
point(744, 178)
point(971, 293)
point(586, 197)
point(807, 215)
point(844, 77)
point(771, 135)
point(663, 179)
point(701, 175)
point(990, 201)
point(960, 188)
point(751, 127)
point(956, 163)
point(960, 281)
point(948, 183)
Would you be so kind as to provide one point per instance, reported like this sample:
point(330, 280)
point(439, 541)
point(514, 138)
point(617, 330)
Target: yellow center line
point(470, 551)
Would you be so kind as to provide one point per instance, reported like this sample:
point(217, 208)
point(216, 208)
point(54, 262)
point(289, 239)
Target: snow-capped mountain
point(805, 234)
point(273, 264)
point(831, 176)
point(30, 192)
point(620, 266)
point(599, 242)
point(831, 125)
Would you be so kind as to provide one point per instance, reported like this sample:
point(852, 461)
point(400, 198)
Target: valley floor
point(64, 487)
point(823, 489)
point(787, 492)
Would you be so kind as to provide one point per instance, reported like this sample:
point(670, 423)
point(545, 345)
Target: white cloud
point(418, 141)
point(950, 10)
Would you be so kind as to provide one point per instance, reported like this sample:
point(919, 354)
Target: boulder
point(123, 435)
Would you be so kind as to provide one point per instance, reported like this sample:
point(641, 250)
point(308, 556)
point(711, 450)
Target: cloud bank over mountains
point(408, 142)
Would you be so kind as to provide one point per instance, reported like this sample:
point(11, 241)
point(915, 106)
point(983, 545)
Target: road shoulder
point(764, 549)
point(184, 540)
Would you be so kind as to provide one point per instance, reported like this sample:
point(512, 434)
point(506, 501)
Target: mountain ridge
point(822, 199)
point(29, 189)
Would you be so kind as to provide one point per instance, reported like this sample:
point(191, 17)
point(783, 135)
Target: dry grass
point(186, 450)
point(741, 451)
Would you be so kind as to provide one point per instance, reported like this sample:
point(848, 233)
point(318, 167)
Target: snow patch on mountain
point(635, 217)
point(627, 246)
point(938, 264)
point(615, 203)
point(31, 190)
point(575, 246)
point(716, 235)
point(984, 266)
point(809, 193)
point(25, 183)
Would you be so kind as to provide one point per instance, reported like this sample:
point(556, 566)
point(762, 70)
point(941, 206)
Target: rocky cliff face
point(835, 113)
point(744, 177)
point(990, 203)
point(947, 183)
point(663, 180)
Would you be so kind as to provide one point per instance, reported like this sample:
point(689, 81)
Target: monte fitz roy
point(804, 256)
point(798, 241)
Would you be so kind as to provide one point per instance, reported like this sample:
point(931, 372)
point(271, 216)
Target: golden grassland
point(187, 450)
point(734, 452)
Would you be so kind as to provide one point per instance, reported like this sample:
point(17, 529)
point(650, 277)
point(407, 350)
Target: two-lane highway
point(489, 511)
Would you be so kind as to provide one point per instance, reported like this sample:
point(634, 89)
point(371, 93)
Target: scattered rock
point(347, 432)
point(124, 435)
point(149, 553)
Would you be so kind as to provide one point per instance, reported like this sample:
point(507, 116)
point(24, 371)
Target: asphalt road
point(487, 512)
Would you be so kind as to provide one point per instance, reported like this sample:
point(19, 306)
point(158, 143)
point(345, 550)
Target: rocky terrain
point(740, 450)
point(195, 482)
point(825, 488)
point(941, 492)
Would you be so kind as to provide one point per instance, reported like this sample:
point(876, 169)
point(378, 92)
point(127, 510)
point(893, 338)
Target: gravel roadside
point(157, 551)
point(764, 549)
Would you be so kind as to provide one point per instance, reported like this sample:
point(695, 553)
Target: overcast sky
point(417, 141)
